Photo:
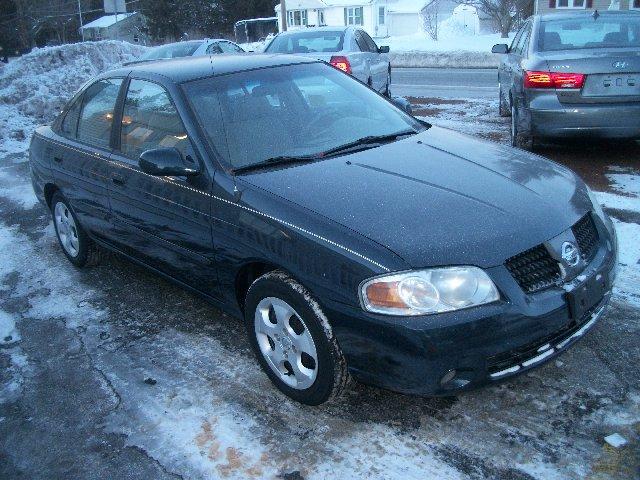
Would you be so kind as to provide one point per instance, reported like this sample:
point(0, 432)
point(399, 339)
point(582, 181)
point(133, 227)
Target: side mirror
point(164, 162)
point(500, 48)
point(383, 49)
point(402, 104)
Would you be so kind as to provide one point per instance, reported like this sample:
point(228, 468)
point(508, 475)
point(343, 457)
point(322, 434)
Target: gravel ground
point(111, 372)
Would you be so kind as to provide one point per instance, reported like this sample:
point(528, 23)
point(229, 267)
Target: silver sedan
point(348, 48)
point(572, 74)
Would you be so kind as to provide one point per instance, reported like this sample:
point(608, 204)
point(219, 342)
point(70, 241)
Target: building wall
point(542, 6)
point(404, 23)
point(334, 17)
point(126, 30)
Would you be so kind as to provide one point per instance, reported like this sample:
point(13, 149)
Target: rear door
point(514, 71)
point(358, 55)
point(80, 162)
point(606, 50)
point(163, 219)
point(378, 63)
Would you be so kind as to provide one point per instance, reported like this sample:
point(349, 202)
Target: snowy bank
point(452, 50)
point(35, 87)
point(455, 59)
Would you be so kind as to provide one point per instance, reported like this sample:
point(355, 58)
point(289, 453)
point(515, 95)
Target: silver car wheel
point(67, 229)
point(513, 125)
point(286, 343)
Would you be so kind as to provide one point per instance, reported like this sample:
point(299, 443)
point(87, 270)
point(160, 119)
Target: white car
point(348, 48)
point(191, 48)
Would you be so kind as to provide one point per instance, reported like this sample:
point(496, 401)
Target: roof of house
point(108, 20)
point(406, 6)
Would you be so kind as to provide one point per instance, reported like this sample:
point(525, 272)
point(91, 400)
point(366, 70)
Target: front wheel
point(387, 88)
point(293, 340)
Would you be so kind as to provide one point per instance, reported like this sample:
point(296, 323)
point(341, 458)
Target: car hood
point(439, 197)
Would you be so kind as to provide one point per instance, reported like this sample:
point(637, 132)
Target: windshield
point(587, 32)
point(174, 50)
point(305, 42)
point(290, 111)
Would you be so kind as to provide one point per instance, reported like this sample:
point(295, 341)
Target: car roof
point(341, 28)
point(184, 69)
point(583, 13)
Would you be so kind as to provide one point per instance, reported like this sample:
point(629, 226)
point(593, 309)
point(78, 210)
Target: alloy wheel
point(67, 229)
point(286, 343)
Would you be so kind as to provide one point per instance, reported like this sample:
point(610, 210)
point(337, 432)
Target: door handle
point(118, 179)
point(57, 159)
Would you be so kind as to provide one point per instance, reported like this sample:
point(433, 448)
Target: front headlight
point(422, 292)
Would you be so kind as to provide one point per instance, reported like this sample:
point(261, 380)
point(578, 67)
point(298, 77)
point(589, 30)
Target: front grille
point(534, 269)
point(587, 237)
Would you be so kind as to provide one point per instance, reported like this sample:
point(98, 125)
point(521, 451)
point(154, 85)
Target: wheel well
point(49, 190)
point(246, 276)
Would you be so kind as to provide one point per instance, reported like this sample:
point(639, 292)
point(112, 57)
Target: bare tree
point(504, 13)
point(429, 17)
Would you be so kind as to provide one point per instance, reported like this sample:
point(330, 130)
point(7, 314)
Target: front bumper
point(449, 353)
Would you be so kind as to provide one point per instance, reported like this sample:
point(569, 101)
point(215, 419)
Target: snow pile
point(35, 87)
point(455, 48)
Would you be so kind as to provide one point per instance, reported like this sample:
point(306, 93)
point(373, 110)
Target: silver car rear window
point(587, 32)
point(308, 42)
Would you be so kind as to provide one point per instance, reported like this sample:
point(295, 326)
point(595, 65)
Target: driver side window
point(150, 120)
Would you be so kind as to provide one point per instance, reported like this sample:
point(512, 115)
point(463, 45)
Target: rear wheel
point(76, 245)
point(503, 107)
point(520, 137)
point(293, 340)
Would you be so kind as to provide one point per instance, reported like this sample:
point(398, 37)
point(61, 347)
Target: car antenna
point(595, 14)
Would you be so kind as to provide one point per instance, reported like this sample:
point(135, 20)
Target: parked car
point(352, 238)
point(350, 49)
point(572, 74)
point(191, 48)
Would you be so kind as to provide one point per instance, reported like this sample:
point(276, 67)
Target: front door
point(381, 21)
point(163, 219)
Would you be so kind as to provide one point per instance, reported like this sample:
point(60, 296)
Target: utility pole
point(283, 15)
point(80, 15)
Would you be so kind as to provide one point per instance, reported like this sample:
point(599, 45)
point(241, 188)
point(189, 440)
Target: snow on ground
point(35, 87)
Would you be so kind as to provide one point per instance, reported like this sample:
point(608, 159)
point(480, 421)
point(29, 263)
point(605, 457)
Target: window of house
point(381, 15)
point(296, 18)
point(353, 16)
point(321, 21)
point(571, 4)
point(150, 120)
point(635, 5)
point(96, 118)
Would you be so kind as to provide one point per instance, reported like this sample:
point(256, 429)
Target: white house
point(380, 18)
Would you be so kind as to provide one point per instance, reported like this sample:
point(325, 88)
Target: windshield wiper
point(279, 160)
point(369, 140)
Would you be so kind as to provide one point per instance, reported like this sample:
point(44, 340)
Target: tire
point(503, 109)
point(75, 243)
point(387, 89)
point(519, 137)
point(285, 322)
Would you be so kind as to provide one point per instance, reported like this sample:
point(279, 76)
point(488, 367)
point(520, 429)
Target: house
point(129, 27)
point(380, 18)
point(549, 6)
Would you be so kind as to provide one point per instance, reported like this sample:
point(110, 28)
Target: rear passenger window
point(150, 120)
point(98, 104)
point(70, 121)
